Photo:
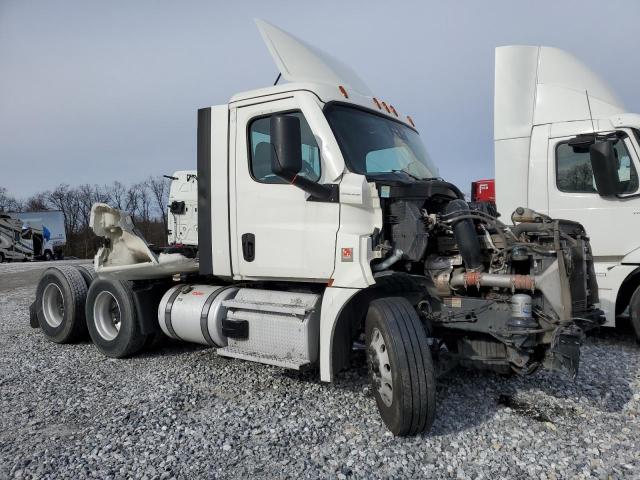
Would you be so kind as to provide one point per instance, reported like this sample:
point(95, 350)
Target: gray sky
point(94, 91)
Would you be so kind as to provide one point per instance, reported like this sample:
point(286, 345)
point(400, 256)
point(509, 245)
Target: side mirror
point(286, 156)
point(605, 168)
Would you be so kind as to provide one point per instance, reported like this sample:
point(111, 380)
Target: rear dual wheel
point(59, 305)
point(112, 318)
point(400, 366)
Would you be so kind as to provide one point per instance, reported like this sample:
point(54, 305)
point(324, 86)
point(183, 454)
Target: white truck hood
point(298, 61)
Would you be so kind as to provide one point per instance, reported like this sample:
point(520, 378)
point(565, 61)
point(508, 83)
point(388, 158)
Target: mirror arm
point(316, 190)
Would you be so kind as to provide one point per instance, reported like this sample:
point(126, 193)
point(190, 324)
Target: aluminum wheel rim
point(107, 315)
point(381, 367)
point(53, 305)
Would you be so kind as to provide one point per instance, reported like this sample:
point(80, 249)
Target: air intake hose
point(465, 235)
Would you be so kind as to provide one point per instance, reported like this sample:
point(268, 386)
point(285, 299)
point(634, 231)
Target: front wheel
point(634, 313)
point(400, 366)
point(48, 256)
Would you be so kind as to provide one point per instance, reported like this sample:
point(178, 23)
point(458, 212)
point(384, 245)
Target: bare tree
point(144, 201)
point(65, 199)
point(36, 203)
point(132, 200)
point(159, 187)
point(117, 195)
point(8, 203)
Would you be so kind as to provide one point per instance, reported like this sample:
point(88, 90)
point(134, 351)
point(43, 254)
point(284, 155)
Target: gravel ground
point(181, 411)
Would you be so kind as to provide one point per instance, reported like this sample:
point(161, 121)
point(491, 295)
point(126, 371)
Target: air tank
point(194, 313)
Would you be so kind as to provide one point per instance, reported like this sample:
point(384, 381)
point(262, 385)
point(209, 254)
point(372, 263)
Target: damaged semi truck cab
point(323, 225)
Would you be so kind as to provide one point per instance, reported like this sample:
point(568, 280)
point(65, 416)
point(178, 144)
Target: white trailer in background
point(322, 227)
point(566, 146)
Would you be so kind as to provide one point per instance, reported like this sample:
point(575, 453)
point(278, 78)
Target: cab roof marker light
point(375, 100)
point(343, 91)
point(393, 110)
point(385, 107)
point(411, 121)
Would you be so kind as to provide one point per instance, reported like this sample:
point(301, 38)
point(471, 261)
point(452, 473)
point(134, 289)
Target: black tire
point(634, 313)
point(409, 408)
point(1, 257)
point(88, 273)
point(48, 256)
point(59, 305)
point(112, 318)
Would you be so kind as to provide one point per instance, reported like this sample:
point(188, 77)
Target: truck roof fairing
point(307, 68)
point(539, 85)
point(298, 61)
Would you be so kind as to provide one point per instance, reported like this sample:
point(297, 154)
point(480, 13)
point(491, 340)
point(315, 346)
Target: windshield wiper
point(407, 173)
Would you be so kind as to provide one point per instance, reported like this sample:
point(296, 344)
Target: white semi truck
point(566, 146)
point(182, 213)
point(323, 227)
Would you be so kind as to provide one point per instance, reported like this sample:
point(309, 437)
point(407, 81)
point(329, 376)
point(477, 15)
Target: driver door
point(280, 234)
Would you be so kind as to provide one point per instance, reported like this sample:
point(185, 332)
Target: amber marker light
point(411, 121)
point(386, 107)
point(393, 110)
point(375, 100)
point(343, 91)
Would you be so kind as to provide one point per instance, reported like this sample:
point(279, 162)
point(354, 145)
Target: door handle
point(249, 246)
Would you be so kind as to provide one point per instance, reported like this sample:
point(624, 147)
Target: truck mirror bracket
point(331, 195)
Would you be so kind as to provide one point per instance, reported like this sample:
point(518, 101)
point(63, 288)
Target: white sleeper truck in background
point(550, 112)
point(323, 227)
point(182, 215)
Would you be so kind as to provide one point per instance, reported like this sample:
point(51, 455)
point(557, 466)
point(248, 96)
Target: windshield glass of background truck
point(371, 143)
point(574, 174)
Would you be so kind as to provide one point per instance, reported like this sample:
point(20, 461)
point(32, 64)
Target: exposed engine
point(508, 298)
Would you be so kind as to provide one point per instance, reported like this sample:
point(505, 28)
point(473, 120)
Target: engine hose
point(499, 226)
point(397, 255)
point(465, 234)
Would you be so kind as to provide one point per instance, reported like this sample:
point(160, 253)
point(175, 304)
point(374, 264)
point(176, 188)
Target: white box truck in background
point(323, 227)
point(566, 147)
point(51, 224)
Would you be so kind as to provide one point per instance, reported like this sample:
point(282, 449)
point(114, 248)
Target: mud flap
point(564, 354)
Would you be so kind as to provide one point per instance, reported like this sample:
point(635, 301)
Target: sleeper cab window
point(574, 174)
point(260, 151)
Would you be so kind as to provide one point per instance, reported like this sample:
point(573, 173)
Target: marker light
point(385, 107)
point(343, 91)
point(411, 121)
point(375, 100)
point(393, 110)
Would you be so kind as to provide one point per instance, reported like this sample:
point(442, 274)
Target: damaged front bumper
point(564, 352)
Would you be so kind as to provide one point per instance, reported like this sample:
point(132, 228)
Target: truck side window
point(573, 168)
point(260, 151)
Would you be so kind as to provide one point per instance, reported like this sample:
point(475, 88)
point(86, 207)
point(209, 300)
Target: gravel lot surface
point(180, 411)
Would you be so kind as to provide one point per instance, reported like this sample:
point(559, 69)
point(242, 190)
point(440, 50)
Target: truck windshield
point(372, 143)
